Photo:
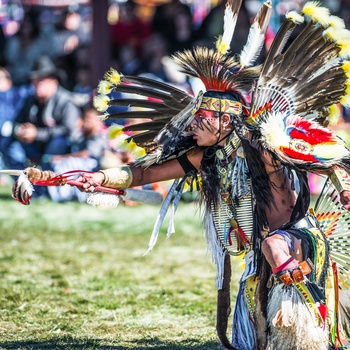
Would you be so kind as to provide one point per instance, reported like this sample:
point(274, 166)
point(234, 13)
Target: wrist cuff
point(119, 178)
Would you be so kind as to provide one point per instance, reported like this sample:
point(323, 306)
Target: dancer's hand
point(345, 199)
point(90, 181)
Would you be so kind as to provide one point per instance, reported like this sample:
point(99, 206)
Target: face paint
point(205, 127)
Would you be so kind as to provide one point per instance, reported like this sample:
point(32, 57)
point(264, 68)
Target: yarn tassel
point(243, 331)
point(176, 201)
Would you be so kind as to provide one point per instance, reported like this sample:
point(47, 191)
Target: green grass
point(75, 276)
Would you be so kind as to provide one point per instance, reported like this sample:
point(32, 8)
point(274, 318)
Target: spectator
point(82, 90)
point(87, 152)
point(11, 100)
point(155, 49)
point(25, 47)
point(47, 121)
point(69, 37)
point(128, 35)
point(174, 22)
point(90, 143)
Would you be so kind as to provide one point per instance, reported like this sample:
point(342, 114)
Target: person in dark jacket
point(47, 121)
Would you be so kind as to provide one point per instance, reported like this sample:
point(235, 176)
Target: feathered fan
point(155, 101)
point(334, 221)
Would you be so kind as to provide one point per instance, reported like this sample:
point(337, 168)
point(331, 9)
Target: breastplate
point(234, 224)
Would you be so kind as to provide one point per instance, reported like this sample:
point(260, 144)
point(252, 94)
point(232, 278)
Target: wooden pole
point(100, 46)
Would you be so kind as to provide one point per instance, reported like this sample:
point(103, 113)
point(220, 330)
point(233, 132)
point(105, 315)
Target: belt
point(306, 222)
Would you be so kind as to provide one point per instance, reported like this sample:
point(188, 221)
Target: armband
point(117, 177)
point(341, 180)
point(186, 165)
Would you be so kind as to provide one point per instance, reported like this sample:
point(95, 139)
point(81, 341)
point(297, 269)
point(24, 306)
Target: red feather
point(310, 132)
point(300, 156)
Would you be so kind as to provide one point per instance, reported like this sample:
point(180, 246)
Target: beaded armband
point(341, 180)
point(117, 177)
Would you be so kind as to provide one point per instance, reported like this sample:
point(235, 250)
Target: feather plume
point(230, 19)
point(346, 68)
point(336, 35)
point(215, 70)
point(101, 102)
point(317, 13)
point(104, 87)
point(295, 17)
point(334, 114)
point(113, 76)
point(114, 131)
point(256, 37)
point(344, 49)
point(336, 22)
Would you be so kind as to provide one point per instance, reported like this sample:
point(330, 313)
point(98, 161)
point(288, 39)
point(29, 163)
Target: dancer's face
point(208, 128)
point(205, 127)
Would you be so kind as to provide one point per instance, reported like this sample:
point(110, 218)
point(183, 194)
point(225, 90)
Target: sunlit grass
point(76, 277)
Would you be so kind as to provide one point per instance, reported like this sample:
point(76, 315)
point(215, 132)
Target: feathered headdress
point(169, 111)
point(286, 102)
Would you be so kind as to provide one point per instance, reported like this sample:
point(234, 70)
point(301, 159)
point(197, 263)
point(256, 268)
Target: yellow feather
point(333, 114)
point(344, 48)
point(139, 152)
point(114, 131)
point(101, 102)
point(136, 150)
point(347, 88)
point(221, 46)
point(316, 13)
point(113, 76)
point(129, 146)
point(346, 68)
point(104, 87)
point(345, 101)
point(103, 116)
point(336, 22)
point(132, 145)
point(337, 35)
point(295, 17)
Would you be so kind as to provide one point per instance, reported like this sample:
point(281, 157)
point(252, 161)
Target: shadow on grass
point(100, 344)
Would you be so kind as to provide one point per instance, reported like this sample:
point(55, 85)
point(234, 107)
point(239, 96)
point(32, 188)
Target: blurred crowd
point(46, 114)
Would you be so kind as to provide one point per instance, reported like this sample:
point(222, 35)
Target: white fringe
point(104, 199)
point(215, 247)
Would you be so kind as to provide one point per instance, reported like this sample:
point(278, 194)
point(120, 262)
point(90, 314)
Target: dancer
point(248, 142)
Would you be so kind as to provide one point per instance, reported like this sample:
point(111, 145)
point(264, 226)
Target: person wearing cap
point(47, 121)
point(247, 143)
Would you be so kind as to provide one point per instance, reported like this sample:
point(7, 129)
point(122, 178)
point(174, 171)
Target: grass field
point(75, 276)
